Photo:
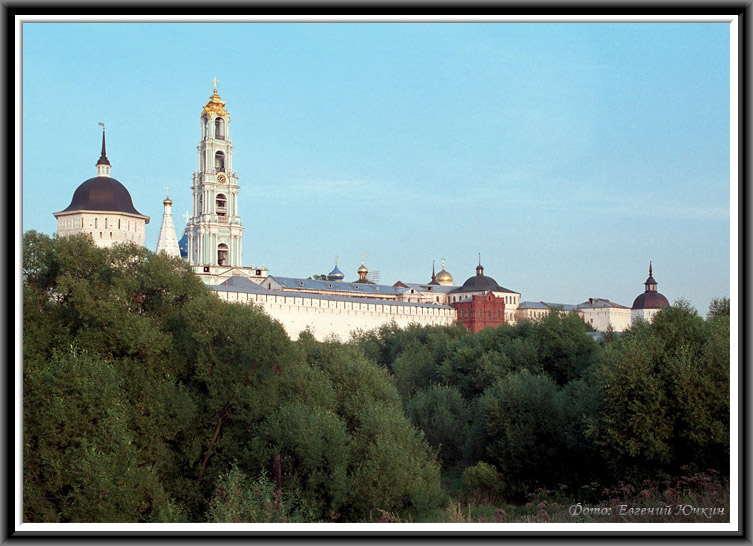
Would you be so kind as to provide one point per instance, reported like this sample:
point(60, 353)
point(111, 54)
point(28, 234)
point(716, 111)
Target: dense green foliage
point(541, 404)
point(146, 398)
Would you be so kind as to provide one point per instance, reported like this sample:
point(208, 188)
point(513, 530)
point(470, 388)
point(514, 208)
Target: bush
point(483, 484)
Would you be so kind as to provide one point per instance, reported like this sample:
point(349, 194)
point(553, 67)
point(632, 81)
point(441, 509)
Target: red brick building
point(481, 312)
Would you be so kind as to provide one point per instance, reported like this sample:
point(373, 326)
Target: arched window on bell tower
point(219, 128)
point(221, 204)
point(219, 162)
point(222, 254)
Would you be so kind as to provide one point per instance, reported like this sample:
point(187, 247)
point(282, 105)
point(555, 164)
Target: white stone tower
point(215, 232)
point(168, 242)
point(102, 207)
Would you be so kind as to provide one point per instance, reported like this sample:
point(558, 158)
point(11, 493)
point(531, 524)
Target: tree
point(81, 461)
point(665, 389)
point(442, 414)
point(719, 307)
point(523, 424)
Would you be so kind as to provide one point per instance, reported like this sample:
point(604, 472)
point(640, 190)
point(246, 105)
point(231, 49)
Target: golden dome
point(444, 278)
point(215, 106)
point(363, 269)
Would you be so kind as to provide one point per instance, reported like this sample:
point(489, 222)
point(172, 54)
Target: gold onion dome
point(363, 269)
point(443, 277)
point(215, 106)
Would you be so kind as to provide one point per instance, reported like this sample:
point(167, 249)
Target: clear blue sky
point(568, 155)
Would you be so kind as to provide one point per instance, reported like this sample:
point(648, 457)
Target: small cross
point(215, 80)
point(361, 258)
point(335, 259)
point(167, 191)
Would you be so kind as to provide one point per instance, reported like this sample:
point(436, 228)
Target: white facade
point(602, 313)
point(105, 227)
point(643, 314)
point(326, 316)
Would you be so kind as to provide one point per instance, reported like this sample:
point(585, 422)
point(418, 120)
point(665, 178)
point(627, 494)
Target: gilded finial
point(442, 263)
point(650, 269)
point(215, 106)
point(335, 259)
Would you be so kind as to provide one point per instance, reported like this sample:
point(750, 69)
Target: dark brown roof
point(650, 300)
point(102, 193)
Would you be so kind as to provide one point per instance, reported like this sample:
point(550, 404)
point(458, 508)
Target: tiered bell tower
point(215, 232)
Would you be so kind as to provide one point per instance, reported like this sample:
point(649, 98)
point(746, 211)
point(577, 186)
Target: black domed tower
point(103, 208)
point(649, 303)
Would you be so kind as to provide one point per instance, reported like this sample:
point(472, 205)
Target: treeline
point(542, 405)
point(147, 399)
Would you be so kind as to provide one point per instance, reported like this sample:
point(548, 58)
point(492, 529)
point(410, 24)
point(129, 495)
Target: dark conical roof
point(102, 193)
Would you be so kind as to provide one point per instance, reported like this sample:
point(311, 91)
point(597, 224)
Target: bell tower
point(215, 232)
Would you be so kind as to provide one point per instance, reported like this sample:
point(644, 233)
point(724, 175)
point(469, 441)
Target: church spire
point(103, 164)
point(650, 283)
point(168, 242)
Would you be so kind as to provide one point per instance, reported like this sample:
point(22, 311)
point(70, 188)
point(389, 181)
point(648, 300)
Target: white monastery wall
point(601, 318)
point(334, 317)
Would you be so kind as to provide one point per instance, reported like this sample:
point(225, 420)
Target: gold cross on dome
point(167, 191)
point(215, 80)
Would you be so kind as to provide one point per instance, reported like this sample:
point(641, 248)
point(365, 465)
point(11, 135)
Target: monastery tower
point(215, 232)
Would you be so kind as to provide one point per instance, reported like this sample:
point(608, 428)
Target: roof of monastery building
point(294, 283)
point(102, 193)
point(546, 305)
point(243, 285)
point(600, 303)
point(480, 282)
point(650, 299)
